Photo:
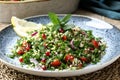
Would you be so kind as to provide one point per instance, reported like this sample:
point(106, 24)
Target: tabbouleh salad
point(59, 46)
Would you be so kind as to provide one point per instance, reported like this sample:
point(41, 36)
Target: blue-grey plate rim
point(62, 73)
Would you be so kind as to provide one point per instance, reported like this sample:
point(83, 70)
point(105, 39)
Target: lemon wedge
point(21, 26)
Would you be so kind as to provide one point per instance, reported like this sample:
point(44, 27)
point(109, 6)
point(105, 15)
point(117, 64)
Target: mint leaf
point(66, 18)
point(55, 27)
point(54, 18)
point(59, 23)
point(68, 26)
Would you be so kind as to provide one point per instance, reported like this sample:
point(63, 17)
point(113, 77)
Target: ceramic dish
point(109, 33)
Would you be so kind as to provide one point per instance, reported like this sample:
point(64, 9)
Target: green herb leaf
point(11, 56)
point(68, 26)
point(54, 18)
point(27, 57)
point(59, 23)
point(55, 27)
point(66, 18)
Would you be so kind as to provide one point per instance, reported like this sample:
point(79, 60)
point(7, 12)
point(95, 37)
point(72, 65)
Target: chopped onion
point(33, 34)
point(72, 45)
point(37, 65)
point(33, 61)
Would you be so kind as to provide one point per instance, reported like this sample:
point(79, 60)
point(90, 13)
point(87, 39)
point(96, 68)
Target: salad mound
point(58, 46)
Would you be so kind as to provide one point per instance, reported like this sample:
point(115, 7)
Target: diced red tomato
point(44, 67)
point(56, 63)
point(83, 59)
point(47, 53)
point(64, 37)
point(95, 43)
point(43, 60)
point(43, 36)
point(20, 59)
point(20, 52)
point(26, 45)
point(69, 57)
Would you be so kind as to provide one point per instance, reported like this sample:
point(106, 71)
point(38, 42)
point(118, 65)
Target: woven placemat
point(111, 72)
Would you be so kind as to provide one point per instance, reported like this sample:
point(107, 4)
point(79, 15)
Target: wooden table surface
point(113, 71)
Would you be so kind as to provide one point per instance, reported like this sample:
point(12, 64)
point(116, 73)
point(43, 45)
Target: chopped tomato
point(83, 59)
point(26, 45)
point(47, 53)
point(43, 36)
point(64, 37)
point(43, 60)
point(20, 52)
point(44, 67)
point(21, 59)
point(95, 43)
point(69, 57)
point(56, 63)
